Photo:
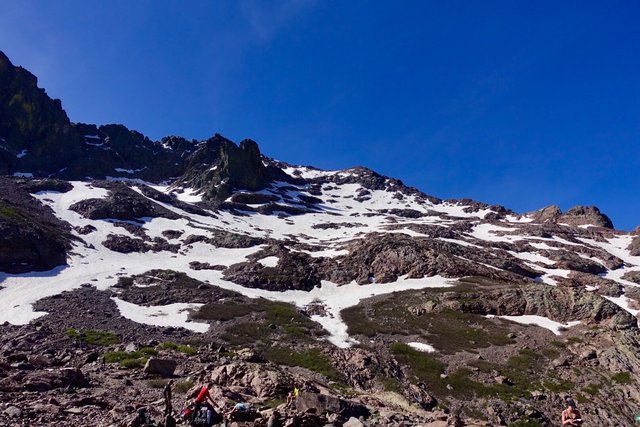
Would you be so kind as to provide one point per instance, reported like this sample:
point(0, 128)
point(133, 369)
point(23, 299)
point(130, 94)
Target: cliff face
point(32, 125)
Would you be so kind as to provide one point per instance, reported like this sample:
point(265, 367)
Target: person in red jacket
point(204, 396)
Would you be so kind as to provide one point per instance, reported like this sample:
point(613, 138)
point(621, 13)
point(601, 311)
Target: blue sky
point(523, 104)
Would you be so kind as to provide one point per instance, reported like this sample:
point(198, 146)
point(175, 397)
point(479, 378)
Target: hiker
point(166, 393)
point(571, 416)
point(204, 397)
point(292, 396)
point(240, 407)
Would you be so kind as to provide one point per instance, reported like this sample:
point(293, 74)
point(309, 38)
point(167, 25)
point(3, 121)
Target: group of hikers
point(203, 410)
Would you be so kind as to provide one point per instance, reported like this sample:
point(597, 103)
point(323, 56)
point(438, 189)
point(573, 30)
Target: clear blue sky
point(523, 104)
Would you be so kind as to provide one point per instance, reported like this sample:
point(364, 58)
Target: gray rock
point(13, 412)
point(163, 367)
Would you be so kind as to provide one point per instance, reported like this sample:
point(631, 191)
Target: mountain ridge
point(272, 276)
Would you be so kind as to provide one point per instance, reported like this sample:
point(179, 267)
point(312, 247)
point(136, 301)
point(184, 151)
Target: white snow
point(161, 315)
point(188, 195)
point(21, 154)
point(270, 261)
point(541, 321)
point(23, 174)
point(422, 347)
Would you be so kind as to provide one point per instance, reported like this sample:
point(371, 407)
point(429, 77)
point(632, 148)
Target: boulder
point(163, 367)
point(321, 403)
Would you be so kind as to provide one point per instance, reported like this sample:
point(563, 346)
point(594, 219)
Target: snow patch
point(541, 321)
point(174, 315)
point(426, 348)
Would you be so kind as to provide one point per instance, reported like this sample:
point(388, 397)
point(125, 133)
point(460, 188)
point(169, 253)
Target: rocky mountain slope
point(259, 275)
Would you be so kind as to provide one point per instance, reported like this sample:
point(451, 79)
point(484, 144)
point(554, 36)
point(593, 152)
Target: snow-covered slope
point(327, 217)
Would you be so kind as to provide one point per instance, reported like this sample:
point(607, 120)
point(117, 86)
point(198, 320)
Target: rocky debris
point(122, 203)
point(162, 367)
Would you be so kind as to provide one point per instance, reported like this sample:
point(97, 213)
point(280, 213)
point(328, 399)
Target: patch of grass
point(182, 348)
point(622, 377)
point(592, 389)
point(133, 363)
point(422, 366)
point(281, 321)
point(92, 337)
point(183, 386)
point(130, 359)
point(448, 330)
point(244, 333)
point(390, 384)
point(312, 359)
point(9, 213)
point(574, 340)
point(581, 398)
point(225, 310)
point(558, 344)
point(559, 386)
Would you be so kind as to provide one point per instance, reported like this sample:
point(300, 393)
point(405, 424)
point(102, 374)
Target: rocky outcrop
point(122, 203)
point(31, 237)
point(578, 215)
point(634, 246)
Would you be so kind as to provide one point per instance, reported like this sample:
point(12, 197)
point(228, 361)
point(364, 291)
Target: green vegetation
point(92, 337)
point(280, 320)
point(622, 377)
point(9, 213)
point(183, 386)
point(130, 359)
point(312, 359)
point(559, 386)
point(448, 330)
point(186, 349)
point(592, 389)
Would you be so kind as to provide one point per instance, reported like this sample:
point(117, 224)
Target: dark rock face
point(122, 203)
point(293, 271)
point(33, 126)
point(31, 237)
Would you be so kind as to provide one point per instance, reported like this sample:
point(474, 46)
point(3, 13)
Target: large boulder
point(163, 367)
point(264, 382)
point(321, 403)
